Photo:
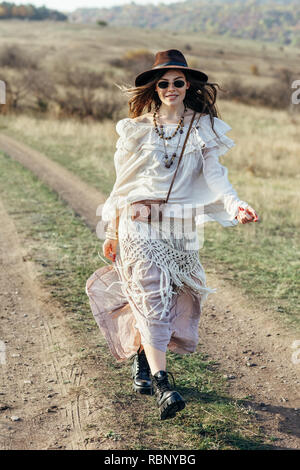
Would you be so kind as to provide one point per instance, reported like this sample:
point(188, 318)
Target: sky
point(70, 5)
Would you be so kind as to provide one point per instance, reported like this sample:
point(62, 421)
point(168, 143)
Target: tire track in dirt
point(29, 396)
point(40, 379)
point(249, 344)
point(70, 414)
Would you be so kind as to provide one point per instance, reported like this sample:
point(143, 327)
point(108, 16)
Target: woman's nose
point(171, 87)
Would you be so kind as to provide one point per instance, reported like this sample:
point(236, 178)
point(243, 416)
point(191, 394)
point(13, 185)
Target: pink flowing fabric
point(153, 293)
point(114, 316)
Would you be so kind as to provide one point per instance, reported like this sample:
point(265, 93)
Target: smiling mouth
point(172, 96)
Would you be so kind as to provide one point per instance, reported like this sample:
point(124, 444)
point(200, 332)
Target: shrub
point(17, 58)
point(276, 95)
point(135, 61)
point(254, 69)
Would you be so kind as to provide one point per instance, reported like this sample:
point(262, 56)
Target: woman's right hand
point(110, 249)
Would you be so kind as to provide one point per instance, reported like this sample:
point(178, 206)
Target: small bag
point(148, 210)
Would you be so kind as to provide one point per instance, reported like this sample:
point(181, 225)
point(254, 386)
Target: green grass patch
point(65, 252)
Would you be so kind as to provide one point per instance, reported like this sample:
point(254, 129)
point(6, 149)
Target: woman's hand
point(247, 215)
point(110, 249)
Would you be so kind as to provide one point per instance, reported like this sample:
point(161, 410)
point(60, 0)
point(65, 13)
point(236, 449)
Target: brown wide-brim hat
point(170, 59)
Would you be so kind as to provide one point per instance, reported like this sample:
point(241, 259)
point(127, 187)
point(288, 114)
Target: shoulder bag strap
point(183, 147)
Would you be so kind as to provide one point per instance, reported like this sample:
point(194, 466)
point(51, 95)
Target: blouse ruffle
point(215, 145)
point(215, 193)
point(135, 135)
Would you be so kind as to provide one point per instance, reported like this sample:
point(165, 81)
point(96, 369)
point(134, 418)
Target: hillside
point(265, 20)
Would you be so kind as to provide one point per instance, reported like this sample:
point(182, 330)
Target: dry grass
point(267, 141)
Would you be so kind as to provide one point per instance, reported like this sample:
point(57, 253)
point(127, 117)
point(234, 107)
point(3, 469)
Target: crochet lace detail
point(179, 268)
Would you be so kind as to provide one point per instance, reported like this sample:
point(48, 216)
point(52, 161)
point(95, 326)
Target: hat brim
point(146, 77)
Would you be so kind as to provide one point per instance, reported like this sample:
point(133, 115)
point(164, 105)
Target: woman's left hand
point(247, 215)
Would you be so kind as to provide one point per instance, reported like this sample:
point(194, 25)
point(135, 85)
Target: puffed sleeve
point(215, 173)
point(122, 154)
point(127, 146)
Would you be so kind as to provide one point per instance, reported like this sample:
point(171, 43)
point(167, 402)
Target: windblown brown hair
point(200, 96)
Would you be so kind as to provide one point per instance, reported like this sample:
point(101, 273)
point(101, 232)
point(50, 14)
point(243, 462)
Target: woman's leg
point(156, 358)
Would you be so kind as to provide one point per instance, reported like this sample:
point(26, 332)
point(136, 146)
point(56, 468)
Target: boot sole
point(171, 406)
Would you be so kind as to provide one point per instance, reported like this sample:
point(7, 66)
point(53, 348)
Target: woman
point(151, 298)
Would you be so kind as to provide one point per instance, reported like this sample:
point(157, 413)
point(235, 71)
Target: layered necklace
point(160, 131)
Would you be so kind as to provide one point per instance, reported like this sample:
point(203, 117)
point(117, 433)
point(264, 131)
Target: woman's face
point(172, 96)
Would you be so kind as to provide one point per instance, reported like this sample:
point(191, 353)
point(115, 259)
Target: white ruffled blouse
point(201, 182)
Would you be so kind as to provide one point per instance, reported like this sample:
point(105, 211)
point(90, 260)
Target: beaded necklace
point(169, 161)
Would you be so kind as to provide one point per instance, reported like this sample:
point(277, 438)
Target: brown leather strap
point(163, 201)
point(183, 147)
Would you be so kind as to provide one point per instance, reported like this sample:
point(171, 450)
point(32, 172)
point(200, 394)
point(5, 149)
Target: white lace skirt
point(155, 290)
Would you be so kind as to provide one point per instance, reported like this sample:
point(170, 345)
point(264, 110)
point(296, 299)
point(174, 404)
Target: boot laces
point(142, 363)
point(164, 384)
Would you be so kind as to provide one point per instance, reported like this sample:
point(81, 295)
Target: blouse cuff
point(232, 204)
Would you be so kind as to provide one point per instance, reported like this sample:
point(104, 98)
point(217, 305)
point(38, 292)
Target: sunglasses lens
point(177, 83)
point(163, 85)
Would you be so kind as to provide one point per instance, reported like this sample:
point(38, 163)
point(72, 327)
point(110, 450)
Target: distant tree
point(29, 12)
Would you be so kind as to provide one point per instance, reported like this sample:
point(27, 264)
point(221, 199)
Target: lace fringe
point(177, 268)
point(142, 244)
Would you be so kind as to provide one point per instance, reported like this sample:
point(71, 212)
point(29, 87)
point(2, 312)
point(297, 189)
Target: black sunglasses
point(165, 84)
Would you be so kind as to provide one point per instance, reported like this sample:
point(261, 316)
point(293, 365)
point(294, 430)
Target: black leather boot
point(169, 400)
point(142, 381)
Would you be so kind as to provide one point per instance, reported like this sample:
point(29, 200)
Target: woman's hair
point(200, 96)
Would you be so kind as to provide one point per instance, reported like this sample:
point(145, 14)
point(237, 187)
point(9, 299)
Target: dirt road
point(45, 402)
point(254, 350)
